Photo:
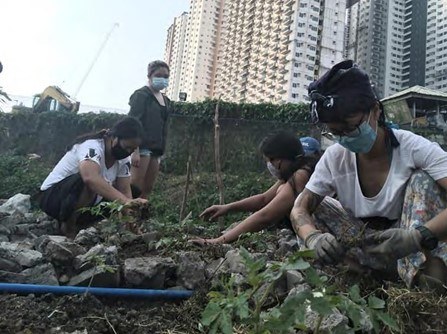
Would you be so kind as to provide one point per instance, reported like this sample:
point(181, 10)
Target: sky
point(54, 42)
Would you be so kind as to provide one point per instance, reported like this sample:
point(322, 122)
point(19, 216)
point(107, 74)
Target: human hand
point(326, 246)
point(214, 212)
point(135, 159)
point(394, 243)
point(205, 242)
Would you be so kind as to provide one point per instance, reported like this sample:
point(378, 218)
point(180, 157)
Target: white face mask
point(273, 170)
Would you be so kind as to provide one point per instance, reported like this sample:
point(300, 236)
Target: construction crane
point(98, 53)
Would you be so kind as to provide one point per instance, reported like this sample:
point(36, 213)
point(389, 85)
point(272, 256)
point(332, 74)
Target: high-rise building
point(175, 46)
point(401, 43)
point(366, 37)
point(194, 75)
point(436, 56)
point(271, 50)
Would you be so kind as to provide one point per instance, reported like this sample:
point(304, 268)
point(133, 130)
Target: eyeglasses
point(336, 135)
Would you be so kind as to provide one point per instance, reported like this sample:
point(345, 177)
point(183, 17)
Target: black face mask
point(118, 152)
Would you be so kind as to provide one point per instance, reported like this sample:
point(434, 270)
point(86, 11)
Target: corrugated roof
point(418, 90)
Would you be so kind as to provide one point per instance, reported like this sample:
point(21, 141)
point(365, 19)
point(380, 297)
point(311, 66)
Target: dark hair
point(155, 65)
point(127, 128)
point(282, 145)
point(286, 145)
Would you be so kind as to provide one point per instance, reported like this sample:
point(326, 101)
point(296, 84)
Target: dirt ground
point(88, 314)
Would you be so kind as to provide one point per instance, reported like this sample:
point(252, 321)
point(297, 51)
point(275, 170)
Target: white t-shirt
point(336, 172)
point(93, 150)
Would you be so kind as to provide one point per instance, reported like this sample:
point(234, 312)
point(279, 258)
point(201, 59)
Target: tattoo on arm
point(305, 204)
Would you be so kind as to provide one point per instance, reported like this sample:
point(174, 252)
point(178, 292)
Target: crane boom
point(101, 48)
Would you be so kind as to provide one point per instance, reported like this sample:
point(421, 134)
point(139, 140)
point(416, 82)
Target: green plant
point(117, 220)
point(99, 263)
point(245, 305)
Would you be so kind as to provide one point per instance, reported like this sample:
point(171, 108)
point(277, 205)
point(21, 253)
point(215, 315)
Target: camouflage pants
point(423, 200)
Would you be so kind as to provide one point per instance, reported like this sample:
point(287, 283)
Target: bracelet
point(311, 234)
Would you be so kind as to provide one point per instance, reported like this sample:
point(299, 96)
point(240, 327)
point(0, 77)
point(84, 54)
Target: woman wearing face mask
point(97, 166)
point(390, 185)
point(286, 162)
point(151, 107)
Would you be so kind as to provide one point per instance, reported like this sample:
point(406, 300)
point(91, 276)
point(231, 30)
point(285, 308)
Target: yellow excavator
point(54, 99)
point(51, 99)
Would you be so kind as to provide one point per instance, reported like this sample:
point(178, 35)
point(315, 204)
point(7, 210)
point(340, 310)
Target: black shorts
point(59, 201)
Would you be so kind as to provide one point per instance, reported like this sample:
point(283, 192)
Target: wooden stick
point(219, 180)
point(185, 192)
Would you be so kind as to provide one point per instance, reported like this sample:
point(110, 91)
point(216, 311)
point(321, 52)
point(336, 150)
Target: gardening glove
point(394, 243)
point(326, 246)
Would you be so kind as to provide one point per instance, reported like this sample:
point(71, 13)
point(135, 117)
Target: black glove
point(394, 243)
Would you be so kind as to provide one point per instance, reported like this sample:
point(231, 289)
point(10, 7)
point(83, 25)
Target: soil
point(88, 314)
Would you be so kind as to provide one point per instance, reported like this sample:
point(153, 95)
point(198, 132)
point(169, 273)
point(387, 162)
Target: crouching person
point(391, 187)
point(96, 167)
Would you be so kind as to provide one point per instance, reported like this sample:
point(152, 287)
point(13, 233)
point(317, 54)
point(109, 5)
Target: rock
point(4, 238)
point(287, 246)
point(88, 237)
point(148, 272)
point(42, 241)
point(234, 262)
point(59, 249)
point(8, 265)
point(44, 227)
point(40, 274)
point(18, 203)
point(298, 289)
point(99, 253)
point(190, 270)
point(215, 267)
point(285, 232)
point(293, 278)
point(98, 276)
point(330, 323)
point(20, 253)
point(150, 237)
point(64, 279)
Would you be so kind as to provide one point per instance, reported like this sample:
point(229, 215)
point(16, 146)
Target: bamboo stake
point(219, 180)
point(185, 192)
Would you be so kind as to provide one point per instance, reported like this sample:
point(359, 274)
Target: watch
point(428, 241)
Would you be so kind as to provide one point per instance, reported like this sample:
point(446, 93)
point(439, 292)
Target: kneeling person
point(97, 166)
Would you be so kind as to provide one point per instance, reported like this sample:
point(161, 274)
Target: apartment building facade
point(271, 50)
point(436, 56)
point(193, 71)
point(401, 43)
point(174, 51)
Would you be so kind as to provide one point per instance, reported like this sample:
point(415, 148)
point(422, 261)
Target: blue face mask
point(362, 143)
point(159, 83)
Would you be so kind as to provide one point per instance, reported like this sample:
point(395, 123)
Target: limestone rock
point(190, 270)
point(148, 272)
point(18, 203)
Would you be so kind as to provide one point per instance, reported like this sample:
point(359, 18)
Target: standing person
point(151, 107)
point(286, 161)
point(96, 166)
point(391, 185)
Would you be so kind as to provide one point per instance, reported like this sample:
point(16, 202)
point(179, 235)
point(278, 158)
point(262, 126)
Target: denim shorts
point(148, 152)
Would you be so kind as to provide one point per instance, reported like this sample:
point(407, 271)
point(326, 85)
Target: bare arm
point(256, 202)
point(253, 203)
point(122, 184)
point(91, 175)
point(272, 213)
point(301, 215)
